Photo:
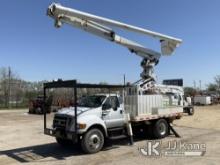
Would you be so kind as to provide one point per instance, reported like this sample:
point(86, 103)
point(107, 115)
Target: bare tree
point(4, 86)
point(9, 86)
point(217, 82)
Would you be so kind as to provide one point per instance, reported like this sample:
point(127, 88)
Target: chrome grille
point(60, 122)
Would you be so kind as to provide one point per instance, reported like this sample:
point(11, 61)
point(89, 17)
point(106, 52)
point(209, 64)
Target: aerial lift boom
point(99, 27)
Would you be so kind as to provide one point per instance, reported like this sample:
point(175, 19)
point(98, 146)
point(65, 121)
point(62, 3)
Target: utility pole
point(194, 84)
point(9, 87)
point(200, 85)
point(124, 88)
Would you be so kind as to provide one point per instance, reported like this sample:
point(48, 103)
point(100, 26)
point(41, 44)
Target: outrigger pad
point(173, 130)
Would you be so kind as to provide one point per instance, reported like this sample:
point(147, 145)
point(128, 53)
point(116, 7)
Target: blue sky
point(36, 50)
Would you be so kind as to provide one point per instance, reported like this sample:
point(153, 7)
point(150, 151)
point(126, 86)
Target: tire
point(63, 142)
point(30, 111)
point(160, 129)
point(191, 111)
point(38, 110)
point(92, 141)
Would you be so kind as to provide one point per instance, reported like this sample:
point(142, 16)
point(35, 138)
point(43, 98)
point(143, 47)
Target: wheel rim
point(162, 129)
point(94, 142)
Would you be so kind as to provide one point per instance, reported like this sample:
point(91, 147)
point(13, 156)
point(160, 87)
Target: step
point(118, 137)
point(115, 129)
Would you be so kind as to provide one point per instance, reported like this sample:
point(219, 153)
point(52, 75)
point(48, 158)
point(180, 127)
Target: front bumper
point(59, 133)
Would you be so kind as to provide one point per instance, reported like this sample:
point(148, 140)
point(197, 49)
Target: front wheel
point(92, 141)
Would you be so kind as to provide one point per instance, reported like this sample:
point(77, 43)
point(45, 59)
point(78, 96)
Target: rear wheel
point(92, 141)
point(160, 128)
point(191, 111)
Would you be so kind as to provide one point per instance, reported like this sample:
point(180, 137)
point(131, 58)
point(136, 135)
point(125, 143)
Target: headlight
point(81, 125)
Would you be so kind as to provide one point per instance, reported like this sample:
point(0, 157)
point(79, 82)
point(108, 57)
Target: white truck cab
point(102, 112)
point(105, 110)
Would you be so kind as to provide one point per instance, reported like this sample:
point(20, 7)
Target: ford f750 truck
point(95, 118)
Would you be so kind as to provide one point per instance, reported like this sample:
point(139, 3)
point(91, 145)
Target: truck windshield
point(91, 101)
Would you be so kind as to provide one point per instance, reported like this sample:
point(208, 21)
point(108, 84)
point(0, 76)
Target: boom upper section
point(99, 26)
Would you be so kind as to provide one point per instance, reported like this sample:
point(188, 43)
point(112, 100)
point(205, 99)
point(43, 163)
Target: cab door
point(113, 112)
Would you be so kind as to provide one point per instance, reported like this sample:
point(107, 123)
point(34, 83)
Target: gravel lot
point(22, 141)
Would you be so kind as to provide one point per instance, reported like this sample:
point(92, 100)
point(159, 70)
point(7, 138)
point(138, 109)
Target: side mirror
point(114, 106)
point(106, 106)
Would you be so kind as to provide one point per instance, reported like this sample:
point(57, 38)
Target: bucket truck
point(98, 117)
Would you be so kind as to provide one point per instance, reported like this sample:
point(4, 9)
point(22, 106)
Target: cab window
point(112, 100)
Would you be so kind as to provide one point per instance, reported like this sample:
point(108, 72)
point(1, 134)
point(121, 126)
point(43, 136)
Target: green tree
point(189, 91)
point(212, 87)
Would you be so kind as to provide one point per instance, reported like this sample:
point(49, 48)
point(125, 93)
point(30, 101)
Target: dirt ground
point(22, 141)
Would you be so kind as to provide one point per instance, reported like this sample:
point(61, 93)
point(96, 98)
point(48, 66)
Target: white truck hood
point(71, 110)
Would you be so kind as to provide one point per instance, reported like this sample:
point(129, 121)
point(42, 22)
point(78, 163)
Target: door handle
point(121, 111)
point(106, 112)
